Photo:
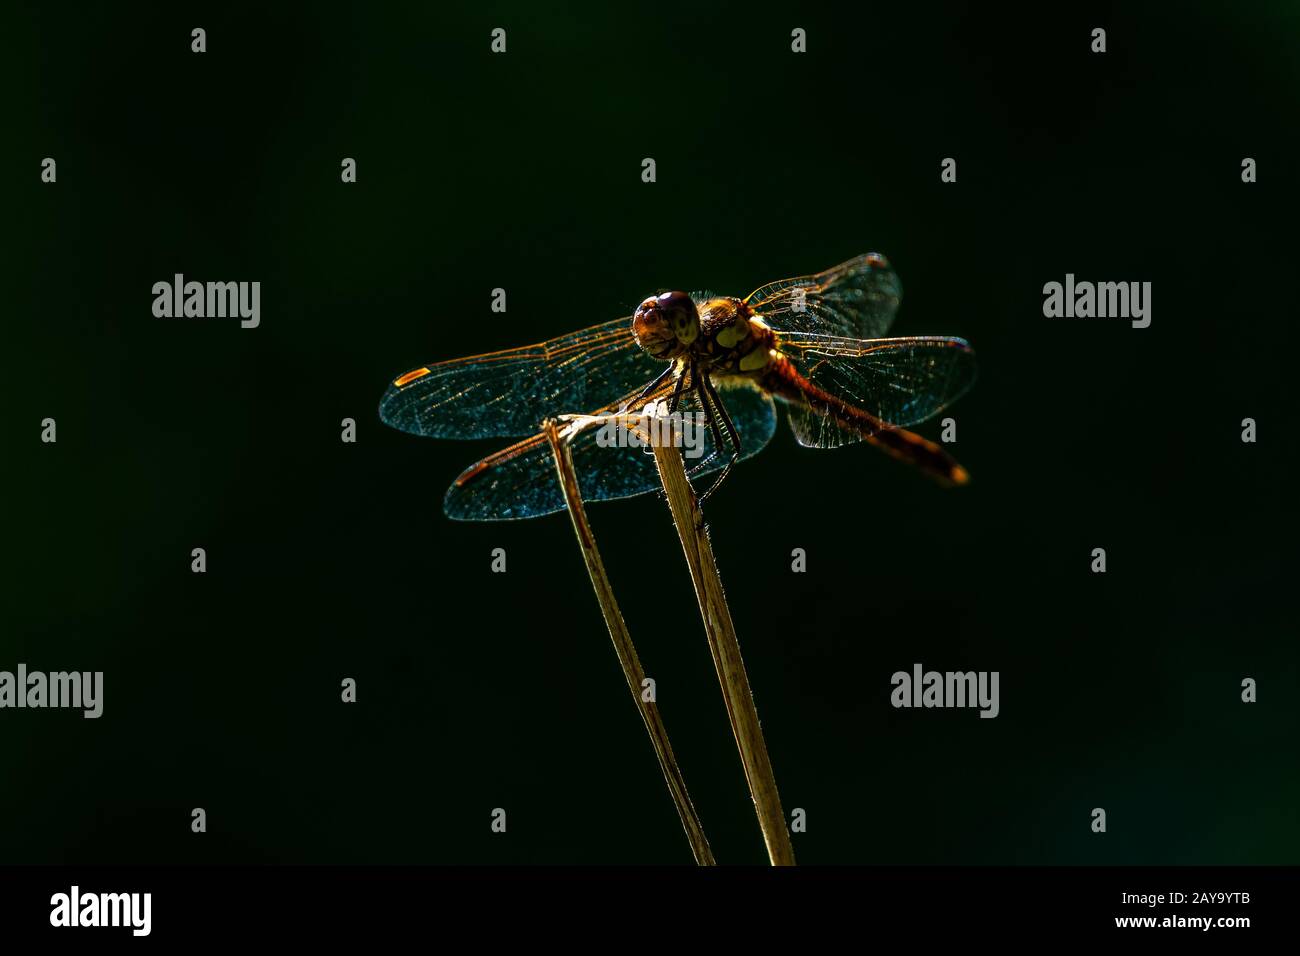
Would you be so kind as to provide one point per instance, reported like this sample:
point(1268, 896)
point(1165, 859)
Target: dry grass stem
point(618, 632)
point(726, 653)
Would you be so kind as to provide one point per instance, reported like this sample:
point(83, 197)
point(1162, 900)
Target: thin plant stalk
point(623, 646)
point(725, 648)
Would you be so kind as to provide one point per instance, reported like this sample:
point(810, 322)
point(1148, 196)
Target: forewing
point(511, 392)
point(521, 481)
point(856, 299)
point(901, 381)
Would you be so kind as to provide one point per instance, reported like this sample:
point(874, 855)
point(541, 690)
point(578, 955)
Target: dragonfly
point(814, 343)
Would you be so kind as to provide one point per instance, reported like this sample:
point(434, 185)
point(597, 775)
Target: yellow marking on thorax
point(756, 359)
point(731, 336)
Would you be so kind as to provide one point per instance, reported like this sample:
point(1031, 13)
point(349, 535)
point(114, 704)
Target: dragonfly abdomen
point(781, 378)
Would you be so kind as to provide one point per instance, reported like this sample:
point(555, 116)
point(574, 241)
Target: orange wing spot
point(410, 377)
point(960, 475)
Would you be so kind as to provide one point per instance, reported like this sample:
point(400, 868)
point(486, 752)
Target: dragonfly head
point(665, 325)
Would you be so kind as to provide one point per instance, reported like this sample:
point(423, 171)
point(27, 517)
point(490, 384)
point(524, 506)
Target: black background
point(478, 690)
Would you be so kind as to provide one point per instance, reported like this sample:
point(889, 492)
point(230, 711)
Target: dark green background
point(479, 690)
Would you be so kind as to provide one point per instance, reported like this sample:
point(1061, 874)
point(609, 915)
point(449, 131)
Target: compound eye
point(675, 302)
point(666, 322)
point(683, 318)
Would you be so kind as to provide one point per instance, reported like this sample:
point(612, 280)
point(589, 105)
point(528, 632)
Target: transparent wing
point(511, 392)
point(521, 482)
point(901, 381)
point(856, 299)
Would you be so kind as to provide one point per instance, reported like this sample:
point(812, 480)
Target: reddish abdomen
point(781, 378)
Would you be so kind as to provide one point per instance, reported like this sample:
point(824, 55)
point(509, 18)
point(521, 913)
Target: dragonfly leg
point(677, 392)
point(659, 380)
point(718, 411)
point(718, 448)
point(700, 466)
point(728, 425)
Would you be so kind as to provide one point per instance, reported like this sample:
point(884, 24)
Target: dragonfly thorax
point(733, 339)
